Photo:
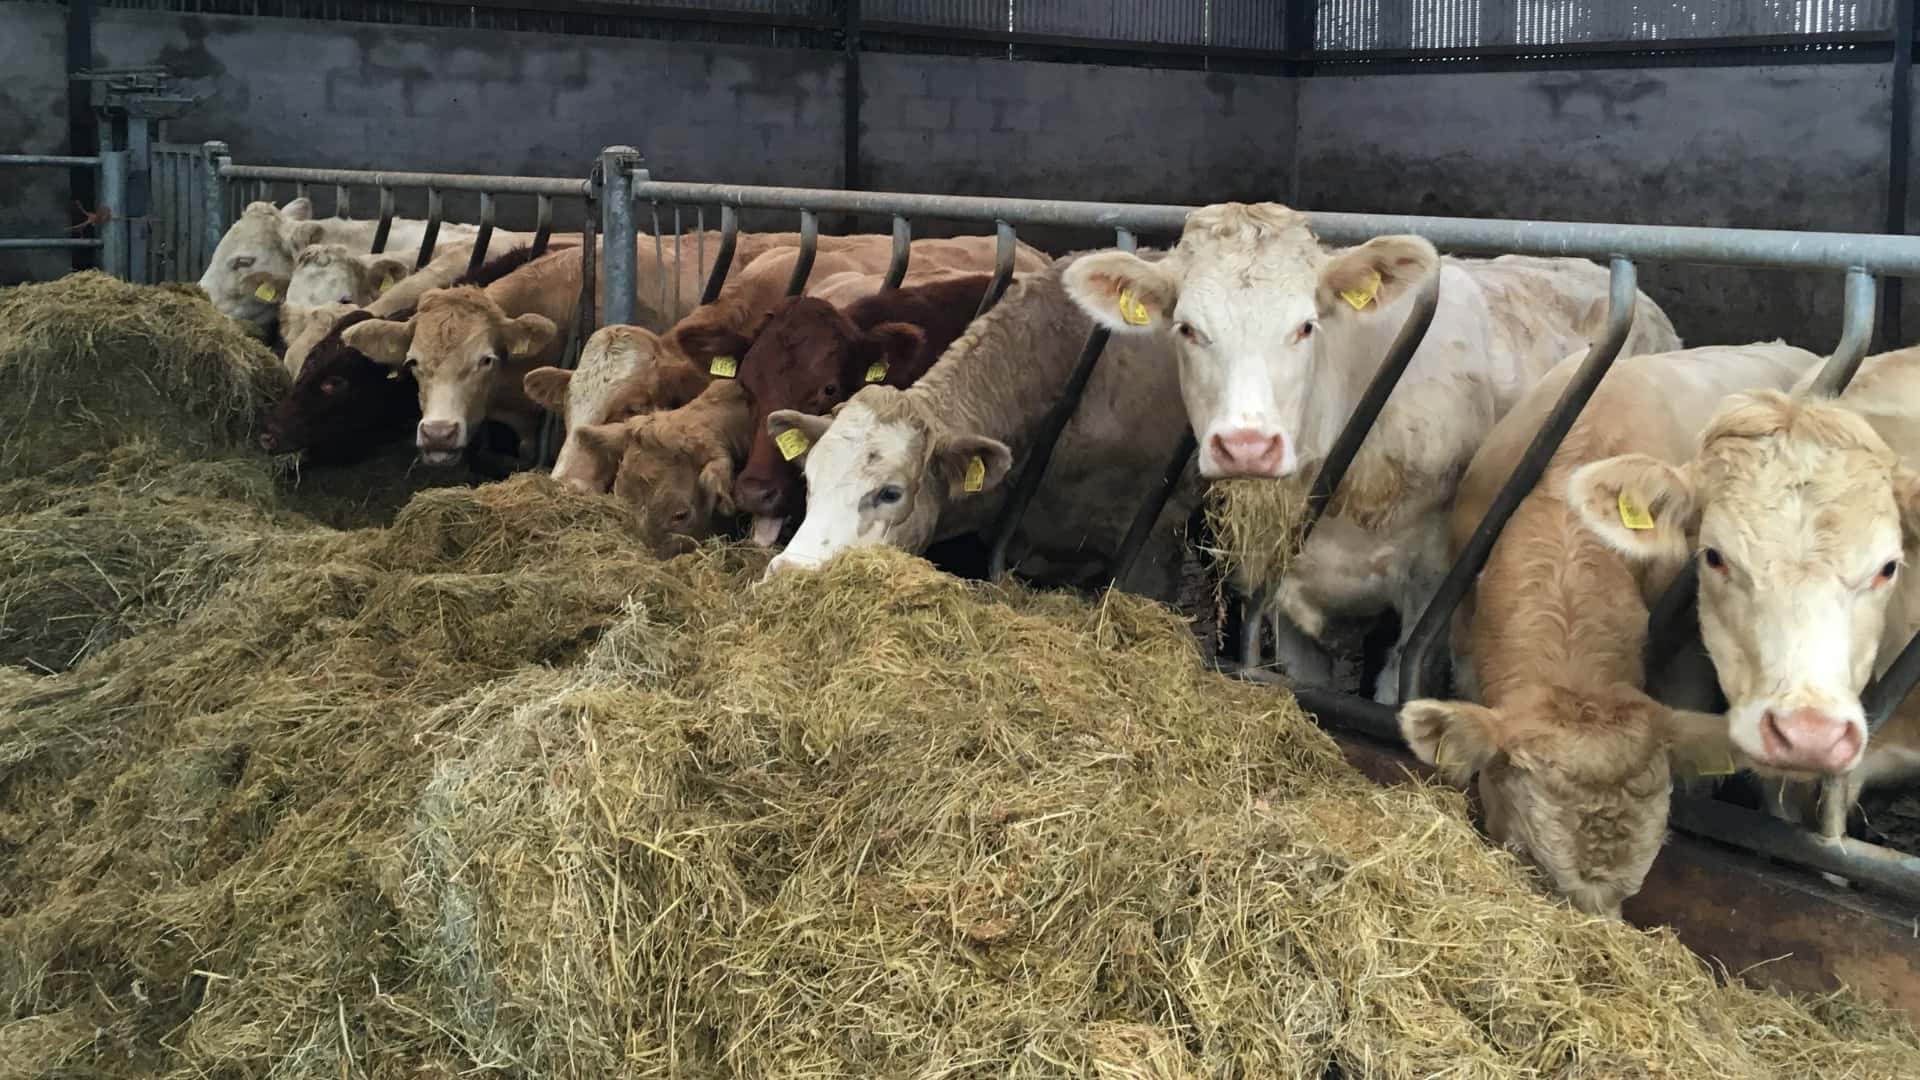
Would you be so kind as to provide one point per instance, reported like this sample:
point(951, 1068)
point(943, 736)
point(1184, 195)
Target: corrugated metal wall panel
point(966, 14)
point(1343, 25)
point(1248, 24)
point(1162, 22)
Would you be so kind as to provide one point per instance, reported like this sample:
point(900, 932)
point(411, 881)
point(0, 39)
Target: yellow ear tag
point(876, 371)
point(1359, 298)
point(521, 348)
point(393, 374)
point(1133, 310)
point(976, 477)
point(1632, 514)
point(1727, 769)
point(266, 291)
point(792, 443)
point(385, 284)
point(726, 367)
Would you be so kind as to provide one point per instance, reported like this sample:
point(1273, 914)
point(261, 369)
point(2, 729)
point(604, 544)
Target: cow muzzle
point(440, 441)
point(1245, 452)
point(1809, 740)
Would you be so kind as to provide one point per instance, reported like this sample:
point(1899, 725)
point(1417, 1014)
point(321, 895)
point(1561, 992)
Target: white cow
point(266, 239)
point(1277, 338)
point(1804, 514)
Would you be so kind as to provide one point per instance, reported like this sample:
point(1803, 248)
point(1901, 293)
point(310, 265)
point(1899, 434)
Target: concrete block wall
point(33, 120)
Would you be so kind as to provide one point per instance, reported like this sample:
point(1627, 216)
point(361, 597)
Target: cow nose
point(754, 495)
point(1809, 740)
point(269, 442)
point(784, 562)
point(1245, 452)
point(440, 434)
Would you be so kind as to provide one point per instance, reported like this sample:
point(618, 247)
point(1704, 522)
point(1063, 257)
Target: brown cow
point(622, 374)
point(809, 356)
point(676, 465)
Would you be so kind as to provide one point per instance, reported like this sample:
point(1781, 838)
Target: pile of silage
point(89, 362)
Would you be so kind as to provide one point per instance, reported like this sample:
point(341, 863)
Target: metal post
point(722, 259)
point(1152, 507)
point(381, 230)
point(431, 236)
point(1003, 249)
point(1035, 467)
point(81, 137)
point(113, 196)
point(1421, 660)
point(902, 253)
point(542, 224)
point(1856, 332)
point(850, 94)
point(139, 198)
point(616, 209)
point(485, 238)
point(1899, 153)
point(803, 266)
point(214, 156)
point(342, 201)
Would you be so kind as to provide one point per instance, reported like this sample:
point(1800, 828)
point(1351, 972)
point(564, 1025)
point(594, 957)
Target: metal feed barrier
point(621, 186)
point(112, 243)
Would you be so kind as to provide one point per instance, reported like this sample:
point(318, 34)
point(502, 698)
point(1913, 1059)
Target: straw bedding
point(490, 791)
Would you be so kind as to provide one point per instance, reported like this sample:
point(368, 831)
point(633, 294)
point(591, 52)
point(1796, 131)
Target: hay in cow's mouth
point(90, 362)
point(1256, 528)
point(492, 790)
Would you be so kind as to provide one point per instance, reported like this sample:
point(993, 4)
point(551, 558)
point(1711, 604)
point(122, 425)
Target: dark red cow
point(810, 356)
point(343, 406)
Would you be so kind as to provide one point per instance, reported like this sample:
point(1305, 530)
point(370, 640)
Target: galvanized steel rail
point(112, 242)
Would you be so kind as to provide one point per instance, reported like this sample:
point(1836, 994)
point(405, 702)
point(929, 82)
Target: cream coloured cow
point(1804, 514)
point(330, 274)
point(1573, 754)
point(1277, 337)
point(261, 246)
point(908, 468)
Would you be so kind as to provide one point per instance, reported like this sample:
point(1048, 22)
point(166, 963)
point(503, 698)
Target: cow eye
point(679, 517)
point(489, 360)
point(413, 363)
point(1714, 560)
point(1887, 572)
point(1305, 331)
point(346, 300)
point(1187, 332)
point(332, 384)
point(831, 390)
point(242, 262)
point(888, 495)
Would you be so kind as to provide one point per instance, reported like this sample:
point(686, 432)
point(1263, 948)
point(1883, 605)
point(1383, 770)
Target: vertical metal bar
point(113, 196)
point(381, 230)
point(659, 267)
point(679, 258)
point(616, 209)
point(1003, 248)
point(1856, 332)
point(902, 253)
point(213, 157)
point(139, 198)
point(551, 432)
point(850, 95)
point(342, 201)
point(1151, 508)
point(542, 224)
point(1035, 467)
point(82, 138)
point(803, 267)
point(300, 189)
point(1899, 157)
point(431, 237)
point(485, 238)
point(1421, 658)
point(722, 259)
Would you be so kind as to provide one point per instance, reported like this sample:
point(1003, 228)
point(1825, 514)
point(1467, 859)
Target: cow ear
point(1699, 744)
point(529, 335)
point(781, 422)
point(609, 441)
point(701, 344)
point(1123, 292)
point(1639, 506)
point(1906, 494)
point(887, 346)
point(971, 464)
point(676, 382)
point(300, 209)
point(716, 479)
point(266, 285)
point(296, 320)
point(304, 235)
point(1370, 277)
point(547, 386)
point(1455, 737)
point(385, 272)
point(383, 341)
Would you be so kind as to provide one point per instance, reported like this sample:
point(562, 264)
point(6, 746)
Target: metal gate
point(622, 188)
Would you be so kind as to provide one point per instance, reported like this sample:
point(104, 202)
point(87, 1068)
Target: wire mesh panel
point(1362, 25)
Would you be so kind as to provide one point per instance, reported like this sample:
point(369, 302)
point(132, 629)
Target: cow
point(265, 239)
point(676, 465)
point(343, 405)
point(301, 328)
point(1803, 514)
point(711, 330)
point(1574, 756)
point(330, 274)
point(809, 356)
point(910, 467)
point(621, 374)
point(1277, 337)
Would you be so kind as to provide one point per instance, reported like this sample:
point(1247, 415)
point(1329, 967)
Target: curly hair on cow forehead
point(1763, 414)
point(1246, 223)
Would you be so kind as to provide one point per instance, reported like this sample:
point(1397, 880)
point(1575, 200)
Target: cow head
point(343, 406)
point(302, 328)
point(805, 357)
point(879, 471)
point(333, 274)
point(676, 471)
point(1274, 332)
point(251, 266)
point(1800, 515)
point(454, 347)
point(1577, 783)
point(620, 375)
